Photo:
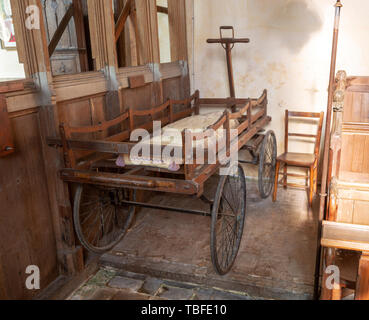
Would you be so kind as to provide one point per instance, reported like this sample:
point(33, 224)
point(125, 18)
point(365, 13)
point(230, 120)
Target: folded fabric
point(172, 135)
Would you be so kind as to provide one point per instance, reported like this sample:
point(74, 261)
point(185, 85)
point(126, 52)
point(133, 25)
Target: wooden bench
point(351, 237)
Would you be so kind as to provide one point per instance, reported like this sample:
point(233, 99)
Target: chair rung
point(293, 185)
point(302, 135)
point(295, 175)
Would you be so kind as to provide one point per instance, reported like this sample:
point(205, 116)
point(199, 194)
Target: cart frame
point(94, 169)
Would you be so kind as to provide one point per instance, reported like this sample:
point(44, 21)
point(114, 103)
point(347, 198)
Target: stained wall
point(289, 53)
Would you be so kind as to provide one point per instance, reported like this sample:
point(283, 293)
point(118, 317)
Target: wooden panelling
point(35, 217)
point(26, 228)
point(356, 156)
point(345, 211)
point(84, 111)
point(176, 88)
point(356, 107)
point(142, 98)
point(361, 212)
point(353, 204)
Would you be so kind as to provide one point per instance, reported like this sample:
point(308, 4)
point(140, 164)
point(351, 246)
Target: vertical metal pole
point(323, 194)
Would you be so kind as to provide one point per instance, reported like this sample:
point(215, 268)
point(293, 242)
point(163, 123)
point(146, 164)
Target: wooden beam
point(119, 26)
point(60, 30)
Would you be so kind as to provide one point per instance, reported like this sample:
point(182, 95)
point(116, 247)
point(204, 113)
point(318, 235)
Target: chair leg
point(307, 178)
point(311, 187)
point(285, 177)
point(277, 168)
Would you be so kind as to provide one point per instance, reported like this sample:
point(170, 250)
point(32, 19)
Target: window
point(126, 33)
point(164, 35)
point(67, 32)
point(12, 69)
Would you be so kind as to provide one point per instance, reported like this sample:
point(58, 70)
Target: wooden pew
point(352, 237)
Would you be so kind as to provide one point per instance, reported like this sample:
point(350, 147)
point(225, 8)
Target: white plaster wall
point(289, 53)
point(10, 68)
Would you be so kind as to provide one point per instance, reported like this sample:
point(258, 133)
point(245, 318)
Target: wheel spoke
point(227, 231)
point(101, 222)
point(267, 165)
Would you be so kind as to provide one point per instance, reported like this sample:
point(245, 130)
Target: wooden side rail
point(167, 106)
point(171, 115)
point(345, 236)
point(131, 181)
point(119, 143)
point(304, 114)
point(66, 134)
point(229, 102)
point(101, 126)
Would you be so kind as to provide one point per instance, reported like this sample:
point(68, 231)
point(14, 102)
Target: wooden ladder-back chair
point(301, 160)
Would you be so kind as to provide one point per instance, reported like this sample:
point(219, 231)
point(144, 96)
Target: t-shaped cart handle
point(228, 45)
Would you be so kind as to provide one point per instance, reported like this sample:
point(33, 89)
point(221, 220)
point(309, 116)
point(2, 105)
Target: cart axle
point(172, 209)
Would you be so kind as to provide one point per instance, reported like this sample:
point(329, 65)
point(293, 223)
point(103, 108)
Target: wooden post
point(177, 29)
point(323, 194)
point(148, 34)
point(362, 285)
point(329, 260)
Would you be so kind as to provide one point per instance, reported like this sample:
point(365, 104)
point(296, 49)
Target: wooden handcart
point(105, 198)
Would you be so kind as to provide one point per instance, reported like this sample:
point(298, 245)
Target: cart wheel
point(267, 163)
point(100, 220)
point(228, 218)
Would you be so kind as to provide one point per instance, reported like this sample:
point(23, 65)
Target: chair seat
point(297, 159)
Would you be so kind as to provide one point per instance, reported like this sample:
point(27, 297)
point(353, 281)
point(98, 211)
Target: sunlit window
point(163, 26)
point(10, 68)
